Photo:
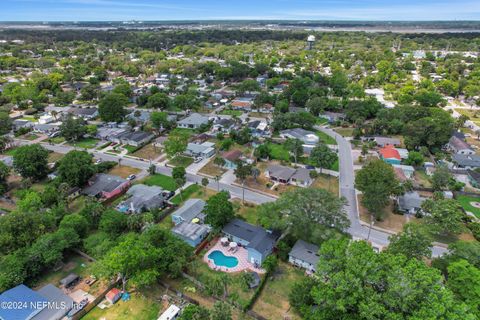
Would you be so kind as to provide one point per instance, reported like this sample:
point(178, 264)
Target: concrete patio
point(241, 254)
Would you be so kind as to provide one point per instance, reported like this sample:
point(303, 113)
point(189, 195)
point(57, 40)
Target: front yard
point(326, 182)
point(273, 301)
point(391, 221)
point(230, 112)
point(325, 138)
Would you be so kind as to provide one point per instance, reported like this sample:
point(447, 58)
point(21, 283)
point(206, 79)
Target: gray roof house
point(84, 113)
point(134, 138)
point(307, 137)
point(466, 162)
point(383, 141)
point(62, 302)
point(191, 233)
point(410, 202)
point(223, 125)
point(142, 198)
point(304, 255)
point(190, 210)
point(286, 175)
point(193, 121)
point(204, 150)
point(459, 146)
point(142, 116)
point(258, 241)
point(105, 186)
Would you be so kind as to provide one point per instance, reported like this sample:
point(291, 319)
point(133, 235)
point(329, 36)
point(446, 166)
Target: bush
point(475, 228)
point(105, 166)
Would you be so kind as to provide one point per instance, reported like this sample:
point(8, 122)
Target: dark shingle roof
point(305, 251)
point(257, 237)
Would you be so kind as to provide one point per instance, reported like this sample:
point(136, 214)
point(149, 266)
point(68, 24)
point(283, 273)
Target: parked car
point(131, 177)
point(98, 161)
point(197, 160)
point(168, 194)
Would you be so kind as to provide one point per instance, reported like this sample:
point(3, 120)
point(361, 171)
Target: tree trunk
point(243, 191)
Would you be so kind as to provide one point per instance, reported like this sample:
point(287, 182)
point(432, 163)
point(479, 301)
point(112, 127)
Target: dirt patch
point(213, 170)
point(392, 222)
point(148, 152)
point(123, 171)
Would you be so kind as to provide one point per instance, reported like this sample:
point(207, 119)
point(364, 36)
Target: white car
point(98, 161)
point(131, 177)
point(197, 160)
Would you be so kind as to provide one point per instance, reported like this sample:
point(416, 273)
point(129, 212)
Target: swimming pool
point(222, 260)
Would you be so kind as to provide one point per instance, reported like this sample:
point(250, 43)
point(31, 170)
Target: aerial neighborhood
point(235, 174)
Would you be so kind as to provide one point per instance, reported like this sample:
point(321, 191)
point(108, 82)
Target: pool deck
point(241, 255)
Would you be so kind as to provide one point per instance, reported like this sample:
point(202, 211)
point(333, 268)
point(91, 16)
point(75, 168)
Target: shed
point(113, 295)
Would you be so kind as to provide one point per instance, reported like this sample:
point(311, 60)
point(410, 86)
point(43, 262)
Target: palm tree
point(242, 172)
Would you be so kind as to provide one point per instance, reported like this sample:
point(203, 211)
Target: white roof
point(170, 313)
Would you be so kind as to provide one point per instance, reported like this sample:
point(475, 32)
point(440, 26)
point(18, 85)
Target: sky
point(120, 10)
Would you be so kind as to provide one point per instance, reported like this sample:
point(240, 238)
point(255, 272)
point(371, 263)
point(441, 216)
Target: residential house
point(410, 202)
point(142, 198)
point(191, 209)
point(333, 117)
point(141, 116)
point(46, 118)
point(258, 241)
point(304, 255)
point(242, 103)
point(193, 121)
point(191, 233)
point(459, 146)
point(299, 177)
point(134, 138)
point(106, 186)
point(259, 128)
point(474, 178)
point(390, 155)
point(466, 162)
point(110, 133)
point(231, 158)
point(307, 137)
point(47, 128)
point(84, 113)
point(223, 125)
point(36, 305)
point(429, 168)
point(204, 150)
point(19, 124)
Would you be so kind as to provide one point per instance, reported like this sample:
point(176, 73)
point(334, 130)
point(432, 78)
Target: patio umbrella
point(233, 244)
point(224, 240)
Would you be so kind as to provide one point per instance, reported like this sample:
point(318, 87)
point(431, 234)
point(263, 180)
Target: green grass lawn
point(141, 306)
point(325, 138)
point(86, 143)
point(229, 112)
point(181, 161)
point(166, 182)
point(130, 149)
point(57, 140)
point(186, 194)
point(278, 152)
point(465, 202)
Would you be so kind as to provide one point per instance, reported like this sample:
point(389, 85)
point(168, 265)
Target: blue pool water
point(222, 260)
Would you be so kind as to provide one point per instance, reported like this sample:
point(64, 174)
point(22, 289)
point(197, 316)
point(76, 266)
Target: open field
point(181, 161)
point(86, 143)
point(279, 152)
point(213, 170)
point(166, 182)
point(148, 152)
point(123, 171)
point(326, 182)
point(229, 112)
point(273, 301)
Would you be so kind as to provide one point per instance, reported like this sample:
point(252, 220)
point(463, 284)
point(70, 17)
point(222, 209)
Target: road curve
point(347, 190)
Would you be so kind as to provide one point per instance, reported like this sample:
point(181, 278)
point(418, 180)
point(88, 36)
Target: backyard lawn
point(465, 201)
point(246, 211)
point(181, 161)
point(166, 182)
point(278, 152)
point(186, 194)
point(123, 171)
point(141, 306)
point(86, 143)
point(273, 301)
point(54, 157)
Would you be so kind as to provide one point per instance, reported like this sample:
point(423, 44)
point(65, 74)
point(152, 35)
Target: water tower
point(310, 42)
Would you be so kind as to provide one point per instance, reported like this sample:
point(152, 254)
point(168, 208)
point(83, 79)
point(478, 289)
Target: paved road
point(347, 190)
point(250, 196)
